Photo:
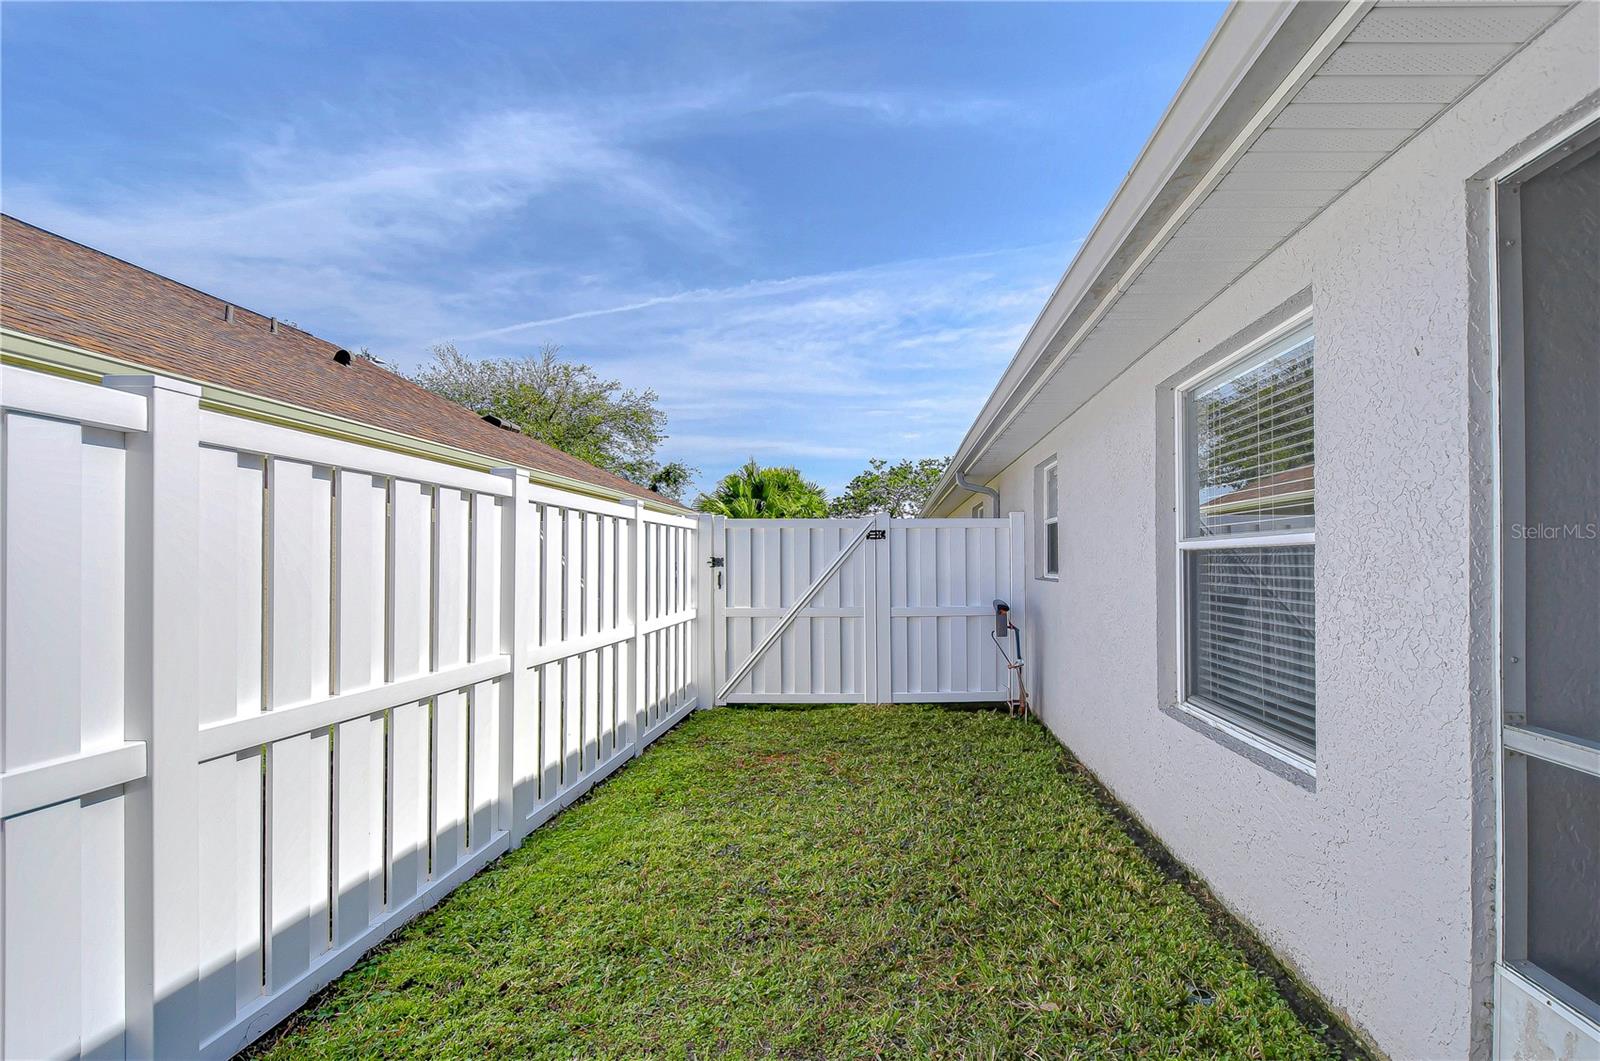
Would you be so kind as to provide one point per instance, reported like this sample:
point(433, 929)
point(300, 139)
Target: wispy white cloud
point(903, 108)
point(781, 446)
point(376, 240)
point(753, 290)
point(372, 209)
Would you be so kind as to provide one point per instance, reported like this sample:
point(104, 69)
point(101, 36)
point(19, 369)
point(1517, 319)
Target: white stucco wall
point(1367, 885)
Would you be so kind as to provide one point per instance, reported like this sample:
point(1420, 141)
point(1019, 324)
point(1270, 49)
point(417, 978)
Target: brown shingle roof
point(52, 288)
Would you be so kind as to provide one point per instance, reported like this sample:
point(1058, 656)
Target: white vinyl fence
point(267, 694)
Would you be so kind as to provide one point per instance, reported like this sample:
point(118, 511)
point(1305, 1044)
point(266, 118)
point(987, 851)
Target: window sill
point(1302, 769)
point(1047, 578)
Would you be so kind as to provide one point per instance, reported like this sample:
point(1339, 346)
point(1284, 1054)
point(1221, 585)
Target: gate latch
point(715, 561)
point(877, 535)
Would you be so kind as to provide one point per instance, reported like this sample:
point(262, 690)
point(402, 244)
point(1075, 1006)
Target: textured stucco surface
point(1372, 885)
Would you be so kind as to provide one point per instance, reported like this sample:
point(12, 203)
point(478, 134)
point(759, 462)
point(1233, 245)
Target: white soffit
point(1401, 64)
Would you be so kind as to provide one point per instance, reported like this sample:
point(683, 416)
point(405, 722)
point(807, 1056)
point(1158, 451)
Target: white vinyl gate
point(872, 610)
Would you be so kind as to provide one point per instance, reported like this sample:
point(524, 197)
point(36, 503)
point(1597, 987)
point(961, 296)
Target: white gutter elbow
point(974, 488)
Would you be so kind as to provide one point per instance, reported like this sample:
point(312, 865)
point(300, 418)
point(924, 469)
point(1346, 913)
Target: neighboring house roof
point(1289, 484)
point(54, 289)
point(1289, 105)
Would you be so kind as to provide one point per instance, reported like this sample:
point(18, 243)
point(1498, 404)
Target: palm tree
point(754, 492)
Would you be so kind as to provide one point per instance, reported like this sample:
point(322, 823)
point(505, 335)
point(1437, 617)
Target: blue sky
point(819, 232)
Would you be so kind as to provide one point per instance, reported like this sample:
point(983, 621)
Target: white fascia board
point(1217, 98)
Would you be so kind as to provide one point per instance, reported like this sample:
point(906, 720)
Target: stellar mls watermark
point(1552, 532)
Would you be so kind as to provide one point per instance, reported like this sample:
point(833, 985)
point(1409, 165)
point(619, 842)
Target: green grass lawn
point(830, 882)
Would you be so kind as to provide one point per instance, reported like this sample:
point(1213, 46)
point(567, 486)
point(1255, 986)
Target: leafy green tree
point(899, 489)
point(564, 404)
point(672, 479)
point(754, 492)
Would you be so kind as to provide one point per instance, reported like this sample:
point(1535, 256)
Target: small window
point(1246, 544)
point(977, 510)
point(1048, 490)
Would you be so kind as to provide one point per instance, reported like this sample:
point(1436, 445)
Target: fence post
point(636, 575)
point(878, 667)
point(719, 599)
point(162, 709)
point(519, 769)
point(705, 582)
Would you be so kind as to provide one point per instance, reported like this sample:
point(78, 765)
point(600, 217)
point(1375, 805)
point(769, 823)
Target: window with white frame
point(977, 510)
point(1246, 541)
point(1047, 493)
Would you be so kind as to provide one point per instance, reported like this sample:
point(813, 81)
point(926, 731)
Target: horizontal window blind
point(1252, 447)
point(1252, 639)
point(1249, 607)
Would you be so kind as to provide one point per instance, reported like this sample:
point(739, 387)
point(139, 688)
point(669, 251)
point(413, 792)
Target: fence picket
point(451, 586)
point(410, 578)
point(358, 873)
point(449, 780)
point(410, 779)
point(572, 574)
point(362, 558)
point(299, 582)
point(104, 926)
point(484, 756)
point(230, 888)
point(43, 873)
point(297, 855)
point(43, 543)
point(550, 750)
point(590, 679)
point(488, 522)
point(571, 720)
